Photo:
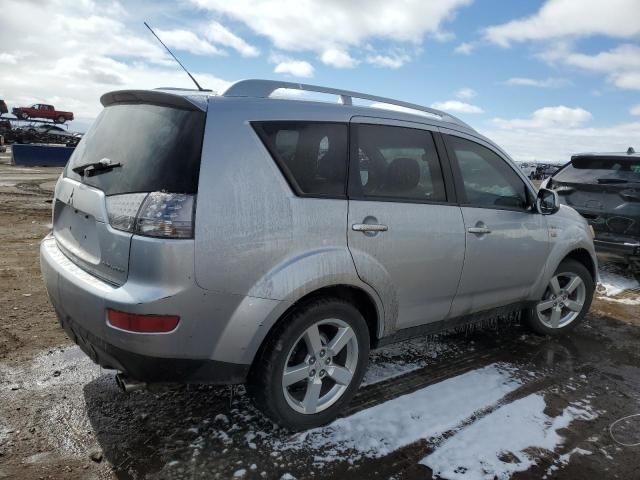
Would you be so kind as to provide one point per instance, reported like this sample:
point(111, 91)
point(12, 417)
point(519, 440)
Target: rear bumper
point(152, 369)
point(215, 340)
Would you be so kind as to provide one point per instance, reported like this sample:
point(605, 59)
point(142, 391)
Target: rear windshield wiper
point(93, 168)
point(611, 180)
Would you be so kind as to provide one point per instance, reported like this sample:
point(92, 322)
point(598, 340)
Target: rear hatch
point(142, 154)
point(605, 189)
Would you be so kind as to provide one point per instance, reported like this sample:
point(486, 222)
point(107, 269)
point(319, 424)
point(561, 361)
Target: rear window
point(159, 148)
point(593, 169)
point(311, 155)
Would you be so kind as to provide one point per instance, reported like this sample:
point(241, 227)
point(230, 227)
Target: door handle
point(369, 227)
point(479, 230)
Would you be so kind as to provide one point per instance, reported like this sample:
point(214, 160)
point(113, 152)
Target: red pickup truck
point(40, 110)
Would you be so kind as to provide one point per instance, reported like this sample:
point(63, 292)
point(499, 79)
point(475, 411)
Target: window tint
point(396, 162)
point(487, 179)
point(312, 155)
point(158, 147)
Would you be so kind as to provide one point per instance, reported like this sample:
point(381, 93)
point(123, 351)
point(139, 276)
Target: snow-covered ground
point(500, 444)
point(482, 424)
point(618, 286)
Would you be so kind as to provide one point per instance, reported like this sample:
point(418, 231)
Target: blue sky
point(542, 78)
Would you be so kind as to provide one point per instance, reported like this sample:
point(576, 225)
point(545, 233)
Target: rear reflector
point(134, 322)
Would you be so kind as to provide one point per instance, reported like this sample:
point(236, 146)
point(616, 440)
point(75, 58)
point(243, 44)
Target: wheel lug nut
point(327, 361)
point(322, 373)
point(312, 360)
point(312, 373)
point(322, 353)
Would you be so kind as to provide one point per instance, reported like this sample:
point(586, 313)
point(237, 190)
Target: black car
point(3, 107)
point(605, 189)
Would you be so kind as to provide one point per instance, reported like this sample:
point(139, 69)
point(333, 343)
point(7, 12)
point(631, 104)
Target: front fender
point(568, 232)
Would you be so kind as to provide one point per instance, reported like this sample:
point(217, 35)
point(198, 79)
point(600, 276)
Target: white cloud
point(555, 133)
point(465, 48)
point(456, 106)
point(338, 58)
point(8, 58)
point(635, 110)
point(80, 51)
point(466, 93)
point(621, 64)
point(187, 41)
point(557, 144)
point(291, 66)
point(533, 82)
point(319, 26)
point(548, 117)
point(219, 34)
point(571, 18)
point(393, 61)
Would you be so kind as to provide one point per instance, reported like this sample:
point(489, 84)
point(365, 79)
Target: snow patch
point(615, 284)
point(426, 413)
point(504, 441)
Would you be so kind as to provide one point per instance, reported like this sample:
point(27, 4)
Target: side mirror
point(547, 202)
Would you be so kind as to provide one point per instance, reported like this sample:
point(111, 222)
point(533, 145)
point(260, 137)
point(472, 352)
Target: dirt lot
point(497, 401)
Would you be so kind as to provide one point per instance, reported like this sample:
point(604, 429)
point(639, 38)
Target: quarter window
point(395, 163)
point(312, 155)
point(487, 179)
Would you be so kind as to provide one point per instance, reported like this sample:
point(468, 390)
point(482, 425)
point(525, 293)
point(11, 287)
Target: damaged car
point(242, 238)
point(605, 189)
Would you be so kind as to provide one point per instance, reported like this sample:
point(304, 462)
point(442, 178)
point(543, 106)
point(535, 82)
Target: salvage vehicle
point(605, 189)
point(3, 107)
point(41, 110)
point(52, 130)
point(243, 238)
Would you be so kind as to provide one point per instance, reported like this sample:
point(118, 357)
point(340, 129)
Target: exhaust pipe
point(129, 385)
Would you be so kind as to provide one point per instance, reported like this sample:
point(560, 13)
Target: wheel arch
point(583, 257)
point(360, 298)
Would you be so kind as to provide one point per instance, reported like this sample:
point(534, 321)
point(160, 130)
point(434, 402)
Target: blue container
point(40, 155)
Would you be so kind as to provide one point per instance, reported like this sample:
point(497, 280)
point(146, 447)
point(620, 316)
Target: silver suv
point(244, 238)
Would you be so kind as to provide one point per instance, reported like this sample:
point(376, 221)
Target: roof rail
point(264, 88)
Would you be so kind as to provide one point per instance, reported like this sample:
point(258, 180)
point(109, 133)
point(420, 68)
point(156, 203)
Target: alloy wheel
point(563, 300)
point(320, 366)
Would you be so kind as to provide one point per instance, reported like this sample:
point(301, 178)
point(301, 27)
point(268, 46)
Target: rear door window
point(486, 179)
point(158, 147)
point(395, 163)
point(311, 155)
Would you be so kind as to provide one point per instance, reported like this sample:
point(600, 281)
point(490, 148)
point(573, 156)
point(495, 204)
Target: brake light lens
point(155, 214)
point(123, 210)
point(133, 322)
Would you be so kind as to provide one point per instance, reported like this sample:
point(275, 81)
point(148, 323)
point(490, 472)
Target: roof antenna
point(176, 59)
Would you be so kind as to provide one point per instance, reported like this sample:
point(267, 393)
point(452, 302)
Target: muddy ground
point(62, 417)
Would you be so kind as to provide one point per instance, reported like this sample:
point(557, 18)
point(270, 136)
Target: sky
point(543, 79)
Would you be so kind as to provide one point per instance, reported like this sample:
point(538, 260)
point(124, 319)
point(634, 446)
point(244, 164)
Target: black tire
point(266, 382)
point(530, 315)
point(24, 115)
point(61, 119)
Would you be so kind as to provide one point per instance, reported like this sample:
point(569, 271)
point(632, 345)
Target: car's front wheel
point(565, 302)
point(312, 364)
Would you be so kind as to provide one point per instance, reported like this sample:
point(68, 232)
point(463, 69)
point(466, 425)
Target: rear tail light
point(134, 322)
point(156, 214)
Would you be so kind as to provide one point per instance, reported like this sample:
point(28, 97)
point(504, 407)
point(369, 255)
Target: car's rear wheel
point(565, 302)
point(312, 364)
point(24, 115)
point(61, 119)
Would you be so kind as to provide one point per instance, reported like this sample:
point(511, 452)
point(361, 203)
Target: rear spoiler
point(156, 97)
